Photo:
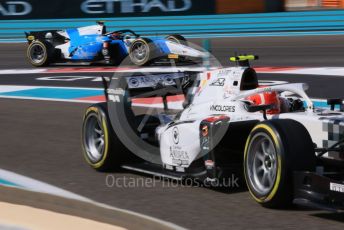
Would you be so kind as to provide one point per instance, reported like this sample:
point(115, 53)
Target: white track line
point(12, 88)
point(38, 186)
point(21, 71)
point(48, 99)
point(73, 70)
point(23, 87)
point(324, 71)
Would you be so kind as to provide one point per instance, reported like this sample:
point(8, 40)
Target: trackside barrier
point(198, 25)
point(332, 3)
point(313, 4)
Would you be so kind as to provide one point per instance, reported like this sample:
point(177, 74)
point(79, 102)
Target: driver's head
point(116, 36)
point(267, 98)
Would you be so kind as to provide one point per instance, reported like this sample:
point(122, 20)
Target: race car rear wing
point(154, 84)
point(46, 35)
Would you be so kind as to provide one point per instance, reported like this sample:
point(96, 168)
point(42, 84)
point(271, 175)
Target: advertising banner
point(239, 6)
point(38, 9)
point(248, 6)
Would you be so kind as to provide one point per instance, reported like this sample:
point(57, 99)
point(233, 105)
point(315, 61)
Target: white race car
point(287, 149)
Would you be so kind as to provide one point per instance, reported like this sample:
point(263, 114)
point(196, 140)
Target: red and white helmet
point(267, 98)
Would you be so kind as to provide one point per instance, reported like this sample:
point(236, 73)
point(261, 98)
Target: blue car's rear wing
point(45, 35)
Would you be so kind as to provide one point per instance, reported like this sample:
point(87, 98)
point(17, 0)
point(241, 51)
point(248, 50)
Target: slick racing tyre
point(273, 151)
point(40, 53)
point(177, 39)
point(141, 52)
point(101, 147)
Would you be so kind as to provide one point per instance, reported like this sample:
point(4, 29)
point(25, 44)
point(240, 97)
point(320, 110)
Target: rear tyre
point(40, 53)
point(274, 150)
point(177, 39)
point(141, 52)
point(101, 147)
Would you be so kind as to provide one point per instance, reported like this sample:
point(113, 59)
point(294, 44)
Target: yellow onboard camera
point(243, 60)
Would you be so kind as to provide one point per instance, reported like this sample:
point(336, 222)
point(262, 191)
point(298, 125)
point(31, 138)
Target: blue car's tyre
point(40, 53)
point(141, 52)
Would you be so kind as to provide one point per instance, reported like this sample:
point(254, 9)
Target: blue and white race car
point(94, 44)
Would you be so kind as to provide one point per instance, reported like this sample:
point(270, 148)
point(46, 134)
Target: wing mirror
point(257, 108)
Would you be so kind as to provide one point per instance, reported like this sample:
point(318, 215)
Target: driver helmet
point(116, 36)
point(267, 98)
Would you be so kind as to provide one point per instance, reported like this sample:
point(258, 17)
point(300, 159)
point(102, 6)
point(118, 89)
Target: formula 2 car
point(287, 150)
point(94, 44)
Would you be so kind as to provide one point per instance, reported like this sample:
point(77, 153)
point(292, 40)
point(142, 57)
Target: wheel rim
point(140, 51)
point(261, 164)
point(37, 53)
point(94, 140)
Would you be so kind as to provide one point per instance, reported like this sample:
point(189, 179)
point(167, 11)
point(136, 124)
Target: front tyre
point(101, 147)
point(274, 150)
point(140, 52)
point(39, 53)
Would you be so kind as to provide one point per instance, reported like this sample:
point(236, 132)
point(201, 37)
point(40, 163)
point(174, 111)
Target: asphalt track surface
point(41, 139)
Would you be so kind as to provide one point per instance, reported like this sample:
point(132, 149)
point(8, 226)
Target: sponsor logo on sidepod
point(222, 108)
